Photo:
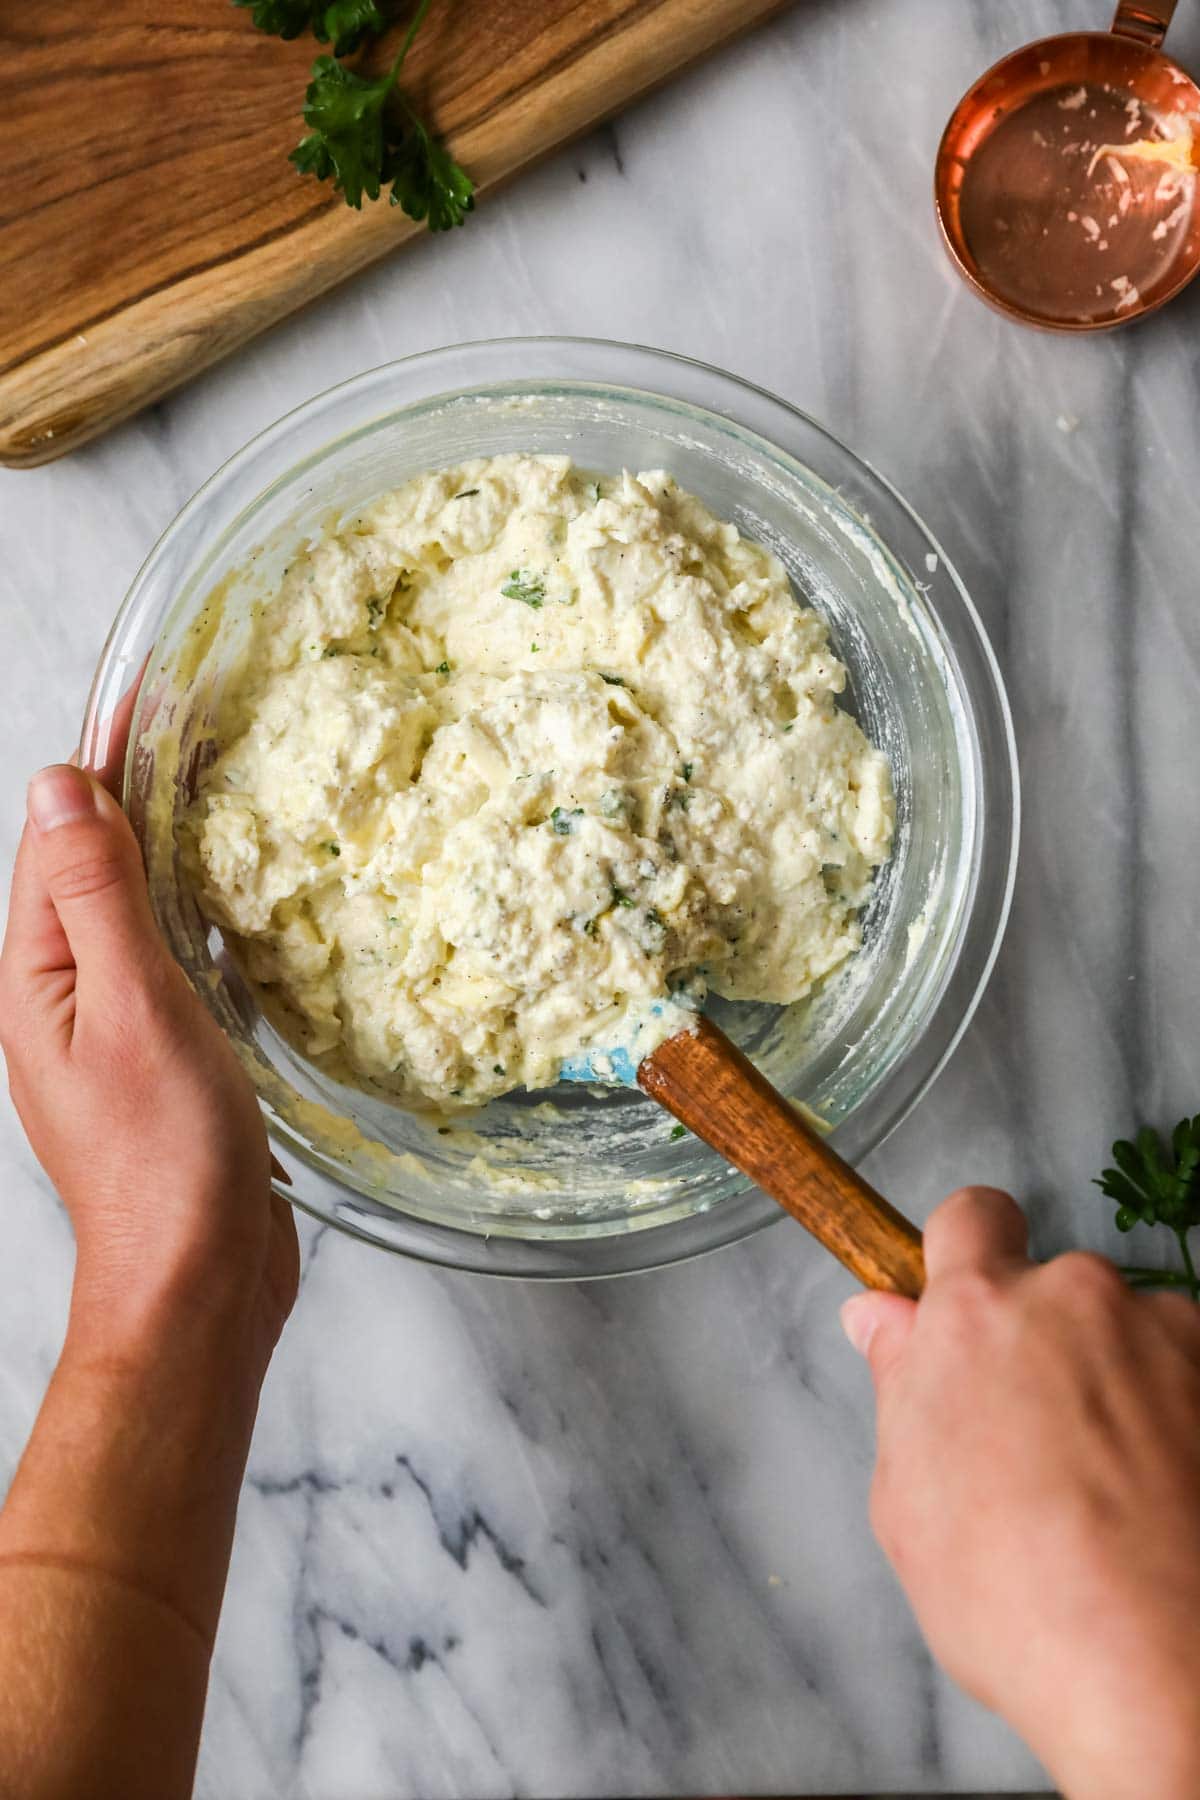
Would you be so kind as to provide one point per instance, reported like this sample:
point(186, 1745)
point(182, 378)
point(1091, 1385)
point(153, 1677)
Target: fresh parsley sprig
point(364, 134)
point(1157, 1184)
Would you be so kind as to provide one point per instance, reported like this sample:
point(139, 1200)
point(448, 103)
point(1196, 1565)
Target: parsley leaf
point(346, 142)
point(282, 18)
point(344, 23)
point(426, 180)
point(522, 585)
point(1157, 1185)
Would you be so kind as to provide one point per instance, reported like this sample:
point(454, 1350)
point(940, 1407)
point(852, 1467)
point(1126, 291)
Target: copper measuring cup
point(1037, 222)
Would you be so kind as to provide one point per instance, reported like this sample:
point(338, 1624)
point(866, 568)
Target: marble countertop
point(508, 1539)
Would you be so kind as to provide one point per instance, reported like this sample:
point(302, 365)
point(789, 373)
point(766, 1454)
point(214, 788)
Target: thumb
point(91, 869)
point(879, 1326)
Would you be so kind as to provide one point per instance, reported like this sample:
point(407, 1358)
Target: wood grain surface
point(152, 222)
point(718, 1093)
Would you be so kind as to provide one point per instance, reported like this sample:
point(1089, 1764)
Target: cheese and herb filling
point(519, 764)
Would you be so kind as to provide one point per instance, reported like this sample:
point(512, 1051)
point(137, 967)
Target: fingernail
point(859, 1322)
point(59, 795)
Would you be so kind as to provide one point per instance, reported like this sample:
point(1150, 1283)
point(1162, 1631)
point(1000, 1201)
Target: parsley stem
point(418, 19)
point(1151, 1278)
point(1182, 1234)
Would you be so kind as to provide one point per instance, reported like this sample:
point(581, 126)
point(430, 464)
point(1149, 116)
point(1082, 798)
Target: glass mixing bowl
point(580, 1182)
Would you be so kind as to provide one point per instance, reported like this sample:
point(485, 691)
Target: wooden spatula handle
point(717, 1092)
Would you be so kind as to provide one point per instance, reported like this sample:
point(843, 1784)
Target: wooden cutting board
point(151, 221)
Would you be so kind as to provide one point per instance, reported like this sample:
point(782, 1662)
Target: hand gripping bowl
point(577, 1181)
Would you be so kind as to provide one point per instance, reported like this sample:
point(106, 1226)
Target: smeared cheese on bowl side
point(519, 763)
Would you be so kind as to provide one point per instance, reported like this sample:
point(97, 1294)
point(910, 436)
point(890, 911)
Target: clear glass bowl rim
point(141, 613)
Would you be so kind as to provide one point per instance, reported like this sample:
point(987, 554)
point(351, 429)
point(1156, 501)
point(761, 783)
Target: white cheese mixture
point(516, 758)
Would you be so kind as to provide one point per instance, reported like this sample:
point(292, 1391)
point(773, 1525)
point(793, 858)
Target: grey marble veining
point(577, 1541)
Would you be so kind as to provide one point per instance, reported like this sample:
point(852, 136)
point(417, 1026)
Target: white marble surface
point(517, 1540)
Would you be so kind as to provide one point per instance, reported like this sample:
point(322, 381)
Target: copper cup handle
point(1145, 20)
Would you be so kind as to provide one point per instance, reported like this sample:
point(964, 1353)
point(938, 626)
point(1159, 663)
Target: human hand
point(1037, 1489)
point(116, 1531)
point(132, 1098)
